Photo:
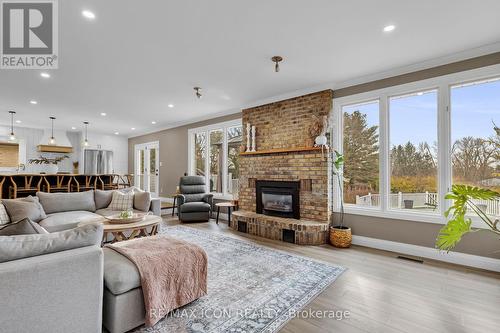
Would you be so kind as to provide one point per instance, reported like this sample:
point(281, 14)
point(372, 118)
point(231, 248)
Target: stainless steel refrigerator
point(97, 161)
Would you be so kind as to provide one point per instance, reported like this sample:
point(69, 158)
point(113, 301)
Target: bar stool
point(28, 188)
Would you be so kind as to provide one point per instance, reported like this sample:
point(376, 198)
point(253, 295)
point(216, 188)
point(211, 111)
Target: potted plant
point(340, 235)
point(459, 224)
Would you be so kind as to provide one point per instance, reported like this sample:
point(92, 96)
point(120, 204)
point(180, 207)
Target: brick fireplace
point(285, 155)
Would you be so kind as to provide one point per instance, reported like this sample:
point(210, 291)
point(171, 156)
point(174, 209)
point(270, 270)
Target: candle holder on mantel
point(249, 148)
point(253, 139)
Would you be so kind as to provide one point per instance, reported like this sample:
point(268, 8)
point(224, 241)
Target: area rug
point(251, 288)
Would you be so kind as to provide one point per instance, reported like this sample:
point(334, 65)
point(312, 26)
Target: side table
point(229, 206)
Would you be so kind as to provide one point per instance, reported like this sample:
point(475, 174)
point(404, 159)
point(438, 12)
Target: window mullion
point(224, 161)
point(444, 145)
point(207, 160)
point(384, 161)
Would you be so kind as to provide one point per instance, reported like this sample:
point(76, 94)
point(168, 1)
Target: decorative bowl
point(117, 219)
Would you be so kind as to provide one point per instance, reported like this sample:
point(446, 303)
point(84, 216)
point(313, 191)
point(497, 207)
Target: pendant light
point(197, 92)
point(52, 140)
point(277, 60)
point(86, 141)
point(12, 137)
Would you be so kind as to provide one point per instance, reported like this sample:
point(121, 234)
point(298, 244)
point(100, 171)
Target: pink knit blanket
point(173, 272)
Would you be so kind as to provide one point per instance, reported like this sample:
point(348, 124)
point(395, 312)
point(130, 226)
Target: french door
point(146, 166)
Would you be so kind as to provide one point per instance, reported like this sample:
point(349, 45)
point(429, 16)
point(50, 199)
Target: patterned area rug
point(251, 288)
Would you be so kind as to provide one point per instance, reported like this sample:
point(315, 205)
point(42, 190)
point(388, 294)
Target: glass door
point(147, 167)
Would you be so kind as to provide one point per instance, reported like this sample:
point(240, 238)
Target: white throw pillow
point(122, 201)
point(4, 217)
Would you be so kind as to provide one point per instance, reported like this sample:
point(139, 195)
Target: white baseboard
point(464, 259)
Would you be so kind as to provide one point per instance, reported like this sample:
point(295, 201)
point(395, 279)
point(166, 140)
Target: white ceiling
point(137, 57)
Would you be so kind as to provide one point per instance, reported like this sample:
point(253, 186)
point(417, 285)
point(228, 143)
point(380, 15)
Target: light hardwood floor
point(386, 294)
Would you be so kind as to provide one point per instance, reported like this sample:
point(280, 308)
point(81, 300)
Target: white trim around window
point(443, 86)
point(224, 126)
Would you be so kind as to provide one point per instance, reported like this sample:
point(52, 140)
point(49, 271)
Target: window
point(200, 148)
point(405, 146)
point(475, 138)
point(216, 152)
point(360, 148)
point(213, 153)
point(234, 140)
point(413, 152)
point(9, 155)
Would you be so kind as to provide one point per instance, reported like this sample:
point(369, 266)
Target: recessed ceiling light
point(45, 75)
point(133, 128)
point(88, 14)
point(73, 127)
point(389, 28)
point(153, 122)
point(33, 102)
point(103, 114)
point(170, 105)
point(18, 121)
point(117, 133)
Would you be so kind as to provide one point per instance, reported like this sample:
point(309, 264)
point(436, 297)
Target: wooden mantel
point(281, 150)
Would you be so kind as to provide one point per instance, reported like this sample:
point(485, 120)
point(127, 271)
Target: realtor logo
point(29, 34)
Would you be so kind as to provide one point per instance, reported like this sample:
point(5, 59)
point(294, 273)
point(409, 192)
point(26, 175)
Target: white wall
point(31, 137)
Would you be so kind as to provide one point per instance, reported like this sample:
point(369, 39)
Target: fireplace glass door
point(282, 203)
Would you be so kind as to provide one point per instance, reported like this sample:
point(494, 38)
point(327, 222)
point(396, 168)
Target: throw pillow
point(103, 198)
point(4, 217)
point(24, 246)
point(122, 201)
point(142, 200)
point(28, 207)
point(23, 227)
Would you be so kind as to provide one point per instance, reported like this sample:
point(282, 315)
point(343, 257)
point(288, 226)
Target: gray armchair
point(194, 204)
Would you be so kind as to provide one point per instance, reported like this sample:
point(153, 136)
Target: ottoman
point(174, 273)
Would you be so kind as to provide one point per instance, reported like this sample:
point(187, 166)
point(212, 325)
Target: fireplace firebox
point(278, 198)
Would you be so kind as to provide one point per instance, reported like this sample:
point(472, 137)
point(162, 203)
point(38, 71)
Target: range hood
point(63, 145)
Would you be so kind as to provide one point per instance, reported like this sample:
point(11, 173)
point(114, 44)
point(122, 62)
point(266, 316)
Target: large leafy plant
point(459, 223)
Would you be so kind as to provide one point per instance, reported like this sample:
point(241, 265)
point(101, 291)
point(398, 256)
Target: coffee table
point(120, 232)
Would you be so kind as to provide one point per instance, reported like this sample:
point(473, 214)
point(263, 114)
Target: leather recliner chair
point(194, 203)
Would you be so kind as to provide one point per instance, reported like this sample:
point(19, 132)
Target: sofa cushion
point(4, 216)
point(23, 227)
point(29, 207)
point(67, 220)
point(122, 201)
point(195, 207)
point(66, 202)
point(109, 211)
point(120, 274)
point(24, 246)
point(102, 198)
point(142, 200)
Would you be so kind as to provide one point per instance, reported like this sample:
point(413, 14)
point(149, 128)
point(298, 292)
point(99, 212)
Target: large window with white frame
point(404, 146)
point(214, 154)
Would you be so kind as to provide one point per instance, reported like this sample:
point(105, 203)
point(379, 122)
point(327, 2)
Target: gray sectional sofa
point(65, 210)
point(54, 281)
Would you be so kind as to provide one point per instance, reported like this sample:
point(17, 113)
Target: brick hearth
point(285, 125)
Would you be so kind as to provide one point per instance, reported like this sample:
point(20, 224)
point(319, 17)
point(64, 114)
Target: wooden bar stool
point(63, 184)
point(127, 180)
point(2, 181)
point(26, 188)
point(84, 183)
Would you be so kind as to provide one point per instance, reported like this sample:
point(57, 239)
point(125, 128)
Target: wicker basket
point(340, 237)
